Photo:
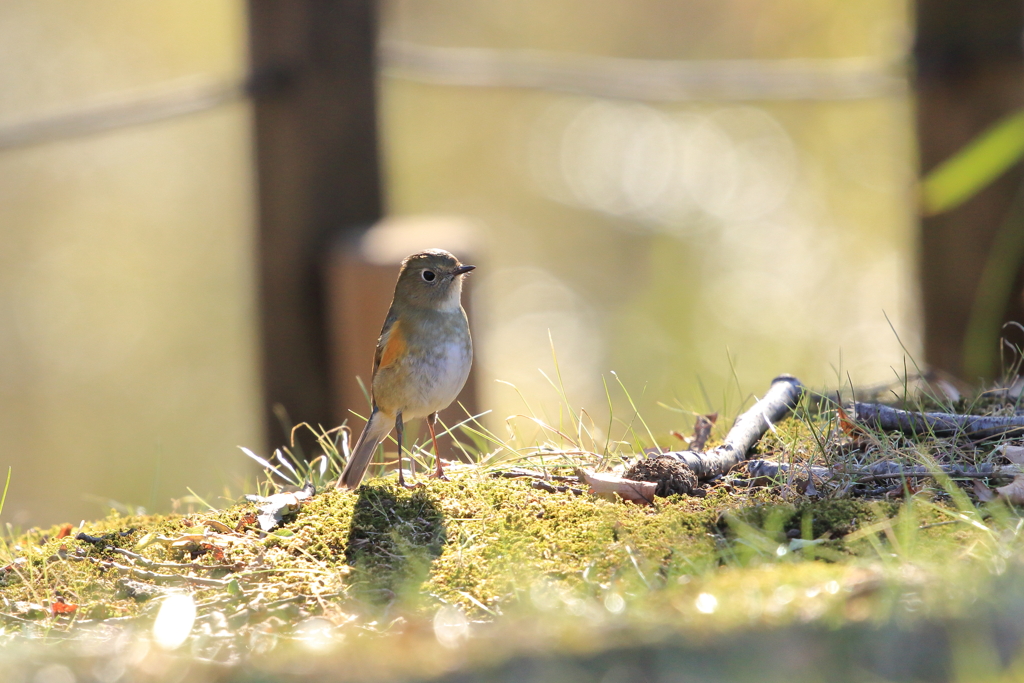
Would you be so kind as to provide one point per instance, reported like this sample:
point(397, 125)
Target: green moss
point(385, 555)
point(834, 518)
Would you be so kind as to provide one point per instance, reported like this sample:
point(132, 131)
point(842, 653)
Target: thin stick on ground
point(888, 470)
point(781, 398)
point(976, 427)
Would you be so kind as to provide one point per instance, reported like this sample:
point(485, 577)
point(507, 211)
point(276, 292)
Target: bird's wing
point(390, 344)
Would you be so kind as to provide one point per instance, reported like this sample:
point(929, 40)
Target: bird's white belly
point(440, 376)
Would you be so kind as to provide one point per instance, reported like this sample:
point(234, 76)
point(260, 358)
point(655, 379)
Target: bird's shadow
point(392, 543)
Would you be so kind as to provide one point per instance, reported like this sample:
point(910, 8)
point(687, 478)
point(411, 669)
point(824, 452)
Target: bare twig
point(150, 564)
point(781, 398)
point(772, 468)
point(154, 577)
point(518, 473)
point(940, 424)
point(889, 470)
point(145, 575)
point(550, 488)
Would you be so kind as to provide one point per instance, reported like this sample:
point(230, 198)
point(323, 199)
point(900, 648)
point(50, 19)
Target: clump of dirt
point(671, 475)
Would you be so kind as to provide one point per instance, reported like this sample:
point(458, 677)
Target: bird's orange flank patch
point(394, 346)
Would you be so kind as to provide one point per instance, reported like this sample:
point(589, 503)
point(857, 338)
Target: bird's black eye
point(429, 275)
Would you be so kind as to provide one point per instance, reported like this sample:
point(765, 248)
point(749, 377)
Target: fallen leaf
point(65, 530)
point(983, 492)
point(273, 509)
point(246, 521)
point(29, 610)
point(702, 430)
point(1013, 492)
point(187, 540)
point(1014, 454)
point(219, 526)
point(627, 489)
point(846, 424)
point(13, 566)
point(806, 487)
point(218, 553)
point(146, 541)
point(61, 607)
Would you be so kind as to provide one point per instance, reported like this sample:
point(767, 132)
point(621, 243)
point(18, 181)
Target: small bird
point(423, 357)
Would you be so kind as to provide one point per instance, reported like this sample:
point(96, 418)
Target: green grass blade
point(6, 486)
point(611, 421)
point(636, 413)
point(200, 499)
point(975, 166)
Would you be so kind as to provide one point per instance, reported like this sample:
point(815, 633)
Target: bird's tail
point(376, 428)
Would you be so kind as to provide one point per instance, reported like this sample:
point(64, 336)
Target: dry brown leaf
point(187, 539)
point(627, 489)
point(1014, 454)
point(846, 424)
point(983, 492)
point(1013, 492)
point(219, 526)
point(702, 430)
point(247, 520)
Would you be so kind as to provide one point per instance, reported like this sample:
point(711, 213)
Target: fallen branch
point(151, 564)
point(885, 470)
point(890, 470)
point(159, 579)
point(976, 427)
point(171, 579)
point(770, 468)
point(520, 473)
point(781, 398)
point(102, 540)
point(544, 486)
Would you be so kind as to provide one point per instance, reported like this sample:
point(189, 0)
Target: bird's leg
point(438, 473)
point(400, 433)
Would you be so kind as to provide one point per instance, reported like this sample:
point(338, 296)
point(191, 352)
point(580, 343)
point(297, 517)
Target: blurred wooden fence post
point(313, 81)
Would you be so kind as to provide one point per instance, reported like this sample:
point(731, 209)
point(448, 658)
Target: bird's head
point(431, 279)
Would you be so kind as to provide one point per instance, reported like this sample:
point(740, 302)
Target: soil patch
point(671, 475)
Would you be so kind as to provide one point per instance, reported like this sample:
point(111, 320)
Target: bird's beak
point(462, 270)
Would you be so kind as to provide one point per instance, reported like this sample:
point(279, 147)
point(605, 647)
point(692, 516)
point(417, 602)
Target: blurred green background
point(760, 222)
point(128, 345)
point(696, 195)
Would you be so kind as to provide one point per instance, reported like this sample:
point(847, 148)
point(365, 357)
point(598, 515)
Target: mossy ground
point(482, 567)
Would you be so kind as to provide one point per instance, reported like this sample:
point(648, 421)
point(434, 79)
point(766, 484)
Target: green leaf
point(975, 166)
